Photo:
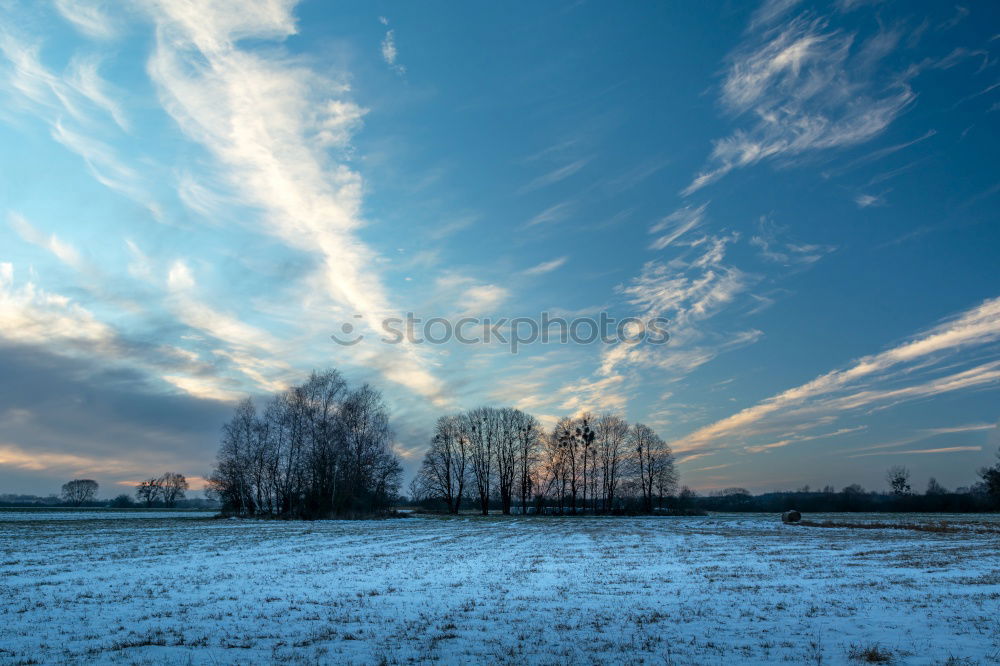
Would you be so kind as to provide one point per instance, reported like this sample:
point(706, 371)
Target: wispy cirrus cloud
point(804, 86)
point(868, 200)
point(794, 439)
point(687, 291)
point(104, 164)
point(910, 452)
point(868, 382)
point(275, 127)
point(677, 224)
point(555, 176)
point(62, 250)
point(773, 247)
point(84, 77)
point(91, 17)
point(550, 215)
point(471, 296)
point(389, 51)
point(545, 267)
point(67, 102)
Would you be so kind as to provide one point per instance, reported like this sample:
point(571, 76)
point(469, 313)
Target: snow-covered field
point(716, 590)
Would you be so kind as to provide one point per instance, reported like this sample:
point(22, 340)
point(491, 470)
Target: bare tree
point(369, 475)
point(528, 433)
point(654, 462)
point(564, 438)
point(172, 488)
point(612, 432)
point(78, 491)
point(898, 478)
point(991, 480)
point(444, 470)
point(586, 436)
point(505, 455)
point(148, 491)
point(555, 465)
point(574, 439)
point(480, 426)
point(935, 488)
point(664, 475)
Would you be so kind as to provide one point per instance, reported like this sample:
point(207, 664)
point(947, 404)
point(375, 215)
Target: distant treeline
point(11, 500)
point(850, 499)
point(166, 491)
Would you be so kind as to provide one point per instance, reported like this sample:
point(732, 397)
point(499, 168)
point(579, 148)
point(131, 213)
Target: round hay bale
point(791, 516)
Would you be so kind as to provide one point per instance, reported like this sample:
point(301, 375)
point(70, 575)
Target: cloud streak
point(267, 122)
point(804, 87)
point(842, 390)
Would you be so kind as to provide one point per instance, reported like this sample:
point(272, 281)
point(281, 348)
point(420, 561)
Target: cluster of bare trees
point(584, 463)
point(166, 489)
point(317, 450)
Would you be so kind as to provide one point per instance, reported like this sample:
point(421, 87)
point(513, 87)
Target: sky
point(196, 195)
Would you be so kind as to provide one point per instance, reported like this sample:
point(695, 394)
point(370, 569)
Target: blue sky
point(194, 198)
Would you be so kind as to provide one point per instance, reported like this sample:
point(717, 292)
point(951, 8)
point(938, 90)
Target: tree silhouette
point(79, 491)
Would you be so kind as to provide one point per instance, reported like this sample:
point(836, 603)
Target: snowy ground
point(717, 590)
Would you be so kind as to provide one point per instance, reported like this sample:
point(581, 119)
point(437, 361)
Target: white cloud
point(545, 267)
point(179, 277)
point(777, 250)
point(90, 17)
point(971, 427)
point(102, 162)
point(676, 225)
point(866, 200)
point(482, 299)
point(389, 52)
point(140, 267)
point(206, 388)
point(258, 117)
point(770, 11)
point(840, 390)
point(63, 251)
point(946, 449)
point(686, 291)
point(805, 87)
point(31, 315)
point(83, 76)
point(38, 91)
point(554, 176)
point(794, 439)
point(549, 215)
point(207, 202)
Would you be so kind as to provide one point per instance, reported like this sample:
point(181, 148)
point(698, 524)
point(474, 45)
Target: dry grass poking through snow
point(942, 527)
point(713, 590)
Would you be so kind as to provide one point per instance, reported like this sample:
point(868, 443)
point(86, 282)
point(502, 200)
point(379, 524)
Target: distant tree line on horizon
point(502, 457)
point(166, 491)
point(981, 496)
